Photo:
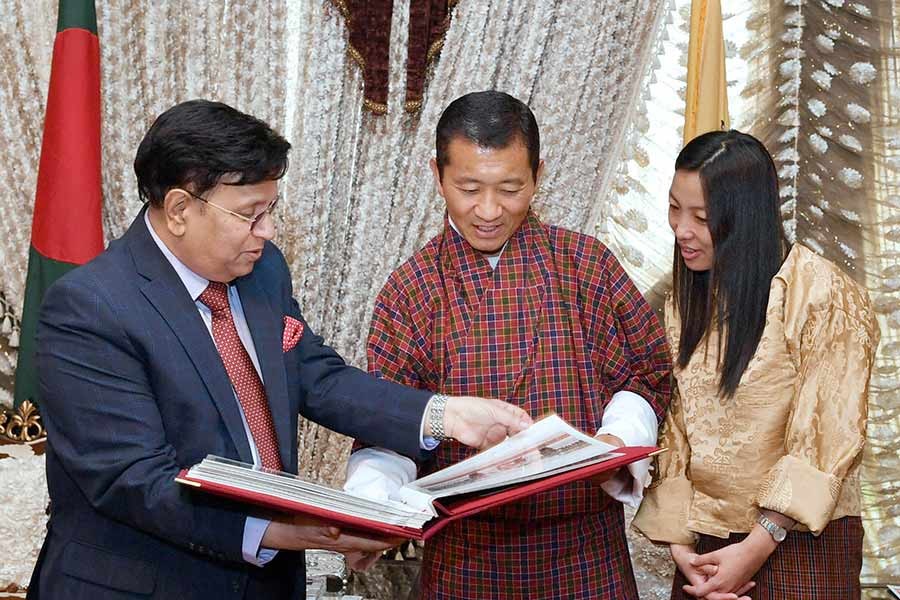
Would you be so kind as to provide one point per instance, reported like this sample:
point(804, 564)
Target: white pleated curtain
point(359, 196)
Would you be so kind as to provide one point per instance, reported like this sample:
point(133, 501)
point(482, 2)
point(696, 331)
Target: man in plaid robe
point(501, 305)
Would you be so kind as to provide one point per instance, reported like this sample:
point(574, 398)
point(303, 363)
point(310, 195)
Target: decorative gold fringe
point(375, 107)
point(435, 48)
point(357, 57)
point(410, 106)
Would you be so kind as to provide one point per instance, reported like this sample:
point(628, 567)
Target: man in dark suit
point(183, 339)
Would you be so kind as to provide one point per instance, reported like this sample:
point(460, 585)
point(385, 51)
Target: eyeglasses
point(253, 221)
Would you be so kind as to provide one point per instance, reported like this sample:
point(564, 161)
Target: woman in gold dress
point(758, 495)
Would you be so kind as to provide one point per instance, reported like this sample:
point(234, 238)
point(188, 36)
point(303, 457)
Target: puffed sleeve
point(663, 514)
point(832, 335)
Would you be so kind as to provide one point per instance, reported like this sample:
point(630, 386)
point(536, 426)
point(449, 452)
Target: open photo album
point(548, 454)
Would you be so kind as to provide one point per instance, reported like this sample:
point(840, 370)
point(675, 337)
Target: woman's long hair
point(740, 188)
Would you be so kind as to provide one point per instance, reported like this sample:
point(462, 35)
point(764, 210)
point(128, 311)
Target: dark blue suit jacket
point(133, 389)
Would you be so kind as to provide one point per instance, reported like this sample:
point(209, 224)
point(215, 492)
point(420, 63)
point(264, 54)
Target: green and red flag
point(66, 230)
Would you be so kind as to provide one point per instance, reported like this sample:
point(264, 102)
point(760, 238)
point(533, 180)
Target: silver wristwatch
point(436, 407)
point(777, 532)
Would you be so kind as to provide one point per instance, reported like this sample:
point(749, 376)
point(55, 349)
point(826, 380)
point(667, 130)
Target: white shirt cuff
point(254, 530)
point(631, 419)
point(377, 473)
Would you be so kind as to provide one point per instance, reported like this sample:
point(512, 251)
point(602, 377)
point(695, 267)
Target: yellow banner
point(706, 102)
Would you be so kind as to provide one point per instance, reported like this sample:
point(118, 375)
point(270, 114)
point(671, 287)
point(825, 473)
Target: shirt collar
point(493, 259)
point(193, 282)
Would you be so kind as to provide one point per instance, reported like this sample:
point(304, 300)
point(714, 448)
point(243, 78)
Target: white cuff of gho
point(631, 419)
point(376, 473)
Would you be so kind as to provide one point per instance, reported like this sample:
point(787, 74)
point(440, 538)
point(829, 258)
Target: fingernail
point(524, 423)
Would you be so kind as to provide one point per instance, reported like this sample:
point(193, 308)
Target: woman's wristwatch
point(777, 532)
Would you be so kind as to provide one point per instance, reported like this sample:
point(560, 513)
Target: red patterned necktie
point(247, 384)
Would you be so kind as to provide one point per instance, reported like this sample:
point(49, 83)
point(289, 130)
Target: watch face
point(779, 534)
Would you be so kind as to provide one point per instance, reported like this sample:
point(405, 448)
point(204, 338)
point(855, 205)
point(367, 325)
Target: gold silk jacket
point(791, 438)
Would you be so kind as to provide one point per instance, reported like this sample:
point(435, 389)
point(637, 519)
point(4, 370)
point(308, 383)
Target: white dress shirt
point(254, 528)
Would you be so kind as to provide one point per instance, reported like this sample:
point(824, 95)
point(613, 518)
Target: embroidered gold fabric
point(791, 439)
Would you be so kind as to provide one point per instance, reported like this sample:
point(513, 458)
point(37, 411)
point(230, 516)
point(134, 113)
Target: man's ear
point(175, 203)
point(538, 174)
point(437, 176)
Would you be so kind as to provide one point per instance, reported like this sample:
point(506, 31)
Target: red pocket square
point(293, 331)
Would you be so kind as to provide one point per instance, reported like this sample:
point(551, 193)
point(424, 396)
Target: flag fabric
point(706, 102)
point(66, 227)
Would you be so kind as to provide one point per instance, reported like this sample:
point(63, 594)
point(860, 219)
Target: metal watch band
point(436, 405)
point(777, 532)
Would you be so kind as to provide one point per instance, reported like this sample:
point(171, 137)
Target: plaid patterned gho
point(557, 327)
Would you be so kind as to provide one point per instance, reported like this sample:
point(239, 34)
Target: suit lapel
point(265, 325)
point(166, 292)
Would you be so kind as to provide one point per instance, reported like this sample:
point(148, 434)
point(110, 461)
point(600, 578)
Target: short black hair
point(740, 188)
point(199, 142)
point(490, 119)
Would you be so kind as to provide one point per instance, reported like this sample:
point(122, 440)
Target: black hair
point(198, 142)
point(490, 119)
point(740, 189)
